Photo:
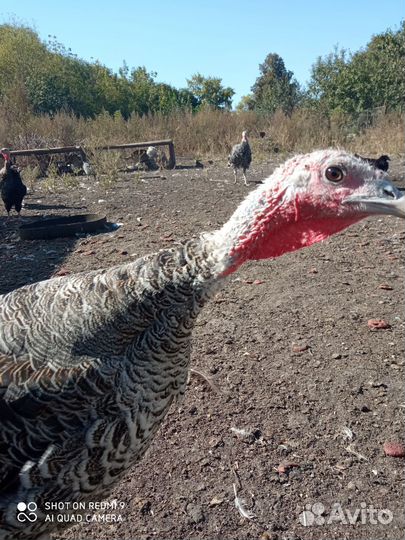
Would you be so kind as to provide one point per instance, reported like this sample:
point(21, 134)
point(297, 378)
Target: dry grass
point(105, 166)
point(207, 134)
point(30, 176)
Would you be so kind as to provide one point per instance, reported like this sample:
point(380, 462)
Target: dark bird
point(91, 363)
point(12, 188)
point(241, 157)
point(63, 167)
point(378, 163)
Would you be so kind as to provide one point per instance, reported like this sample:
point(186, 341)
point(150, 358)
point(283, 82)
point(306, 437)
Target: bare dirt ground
point(297, 366)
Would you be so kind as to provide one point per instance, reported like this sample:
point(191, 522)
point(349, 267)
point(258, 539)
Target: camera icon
point(27, 512)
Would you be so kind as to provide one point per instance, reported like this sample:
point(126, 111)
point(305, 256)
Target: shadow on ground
point(28, 261)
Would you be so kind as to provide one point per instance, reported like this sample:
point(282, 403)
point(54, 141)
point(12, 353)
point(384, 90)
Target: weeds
point(105, 165)
point(206, 134)
point(30, 176)
point(52, 181)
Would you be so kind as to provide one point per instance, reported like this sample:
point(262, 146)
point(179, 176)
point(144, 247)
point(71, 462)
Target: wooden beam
point(135, 145)
point(79, 150)
point(42, 151)
point(169, 142)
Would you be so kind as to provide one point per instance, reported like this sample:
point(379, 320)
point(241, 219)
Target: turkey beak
point(386, 199)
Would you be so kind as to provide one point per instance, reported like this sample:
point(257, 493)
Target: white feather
point(239, 504)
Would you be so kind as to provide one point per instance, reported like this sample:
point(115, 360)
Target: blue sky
point(222, 38)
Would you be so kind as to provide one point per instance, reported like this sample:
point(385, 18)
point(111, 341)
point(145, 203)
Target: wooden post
point(172, 156)
point(135, 145)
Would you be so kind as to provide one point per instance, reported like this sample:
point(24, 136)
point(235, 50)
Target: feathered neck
point(280, 216)
point(7, 162)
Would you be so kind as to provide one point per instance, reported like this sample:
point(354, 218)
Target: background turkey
point(241, 157)
point(12, 188)
point(381, 163)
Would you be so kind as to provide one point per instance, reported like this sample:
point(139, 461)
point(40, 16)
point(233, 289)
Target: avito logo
point(27, 512)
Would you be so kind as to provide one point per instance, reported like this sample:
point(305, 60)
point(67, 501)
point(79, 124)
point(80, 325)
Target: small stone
point(336, 356)
point(285, 467)
point(385, 287)
point(266, 536)
point(146, 508)
point(62, 272)
point(394, 449)
point(377, 324)
point(299, 348)
point(215, 501)
point(215, 442)
point(195, 513)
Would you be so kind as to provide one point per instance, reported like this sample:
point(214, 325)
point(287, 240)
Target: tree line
point(45, 78)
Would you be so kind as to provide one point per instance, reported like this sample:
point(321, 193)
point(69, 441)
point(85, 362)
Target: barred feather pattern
point(89, 366)
point(241, 156)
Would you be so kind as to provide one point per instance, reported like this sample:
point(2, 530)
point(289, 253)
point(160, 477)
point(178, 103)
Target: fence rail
point(80, 150)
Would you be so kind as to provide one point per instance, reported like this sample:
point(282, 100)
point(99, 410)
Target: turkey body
point(241, 157)
point(12, 189)
point(89, 369)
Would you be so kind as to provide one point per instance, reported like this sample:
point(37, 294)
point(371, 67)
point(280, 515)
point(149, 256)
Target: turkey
point(91, 363)
point(379, 163)
point(148, 160)
point(241, 157)
point(12, 188)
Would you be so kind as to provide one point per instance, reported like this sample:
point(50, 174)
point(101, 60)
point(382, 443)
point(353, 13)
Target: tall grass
point(208, 133)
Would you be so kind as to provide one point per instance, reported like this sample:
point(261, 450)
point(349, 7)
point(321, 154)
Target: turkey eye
point(334, 174)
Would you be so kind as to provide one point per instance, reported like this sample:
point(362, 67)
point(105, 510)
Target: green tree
point(275, 88)
point(372, 77)
point(246, 103)
point(209, 91)
point(328, 76)
point(45, 77)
